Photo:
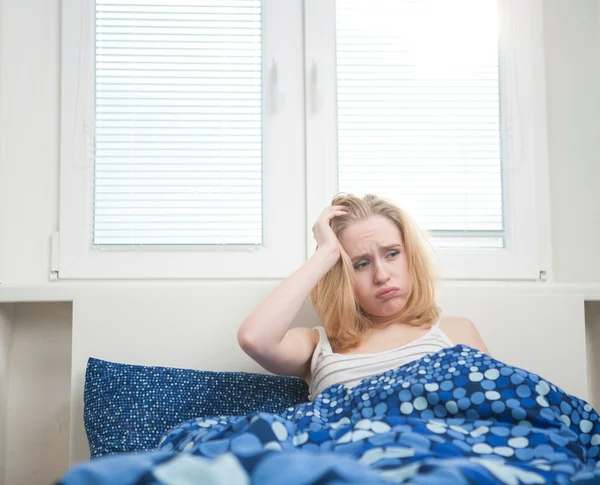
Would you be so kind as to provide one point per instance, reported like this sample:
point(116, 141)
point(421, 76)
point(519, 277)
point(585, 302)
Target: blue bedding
point(454, 417)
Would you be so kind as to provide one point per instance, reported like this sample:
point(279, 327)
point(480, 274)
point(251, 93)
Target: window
point(201, 139)
point(433, 104)
point(179, 123)
point(418, 112)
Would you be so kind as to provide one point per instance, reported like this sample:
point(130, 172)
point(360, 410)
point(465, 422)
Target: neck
point(383, 322)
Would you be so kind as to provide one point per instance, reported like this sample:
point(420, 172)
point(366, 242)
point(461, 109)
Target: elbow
point(247, 341)
point(256, 340)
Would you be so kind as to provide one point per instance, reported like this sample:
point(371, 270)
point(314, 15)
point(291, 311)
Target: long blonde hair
point(333, 297)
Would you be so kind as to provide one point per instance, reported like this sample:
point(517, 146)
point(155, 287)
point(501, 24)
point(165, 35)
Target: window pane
point(178, 123)
point(418, 111)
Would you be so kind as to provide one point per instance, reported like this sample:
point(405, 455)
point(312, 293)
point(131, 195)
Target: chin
point(387, 312)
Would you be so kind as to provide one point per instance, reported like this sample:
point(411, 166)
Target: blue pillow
point(128, 408)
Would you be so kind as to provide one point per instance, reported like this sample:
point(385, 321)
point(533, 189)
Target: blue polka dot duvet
point(454, 417)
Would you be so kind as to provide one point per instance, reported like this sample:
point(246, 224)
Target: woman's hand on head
point(326, 239)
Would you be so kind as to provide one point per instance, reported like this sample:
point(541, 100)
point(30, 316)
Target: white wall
point(573, 108)
point(29, 137)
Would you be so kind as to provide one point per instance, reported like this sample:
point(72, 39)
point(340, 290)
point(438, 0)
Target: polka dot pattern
point(129, 407)
point(456, 415)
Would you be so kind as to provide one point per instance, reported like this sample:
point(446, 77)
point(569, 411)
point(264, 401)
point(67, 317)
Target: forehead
point(377, 230)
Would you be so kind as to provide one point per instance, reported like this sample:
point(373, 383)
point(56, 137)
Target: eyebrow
point(387, 248)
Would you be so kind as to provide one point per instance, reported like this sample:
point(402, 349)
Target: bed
point(458, 416)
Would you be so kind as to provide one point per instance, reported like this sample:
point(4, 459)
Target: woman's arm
point(265, 334)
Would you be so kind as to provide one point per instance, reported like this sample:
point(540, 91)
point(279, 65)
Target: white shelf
point(63, 291)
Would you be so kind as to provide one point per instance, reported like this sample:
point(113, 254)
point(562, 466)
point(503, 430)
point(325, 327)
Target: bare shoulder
point(461, 330)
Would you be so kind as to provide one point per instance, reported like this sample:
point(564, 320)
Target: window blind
point(418, 112)
point(178, 123)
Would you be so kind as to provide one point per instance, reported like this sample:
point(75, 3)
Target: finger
point(329, 219)
point(329, 213)
point(333, 207)
point(335, 210)
point(336, 213)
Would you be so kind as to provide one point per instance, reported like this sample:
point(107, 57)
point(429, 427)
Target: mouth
point(387, 293)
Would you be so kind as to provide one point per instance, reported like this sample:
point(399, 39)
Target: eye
point(360, 265)
point(393, 254)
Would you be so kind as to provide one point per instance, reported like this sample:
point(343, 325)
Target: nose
point(381, 274)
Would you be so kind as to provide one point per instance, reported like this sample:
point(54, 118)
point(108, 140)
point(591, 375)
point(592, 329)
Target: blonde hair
point(333, 297)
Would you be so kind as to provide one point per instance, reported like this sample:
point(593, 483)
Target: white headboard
point(195, 326)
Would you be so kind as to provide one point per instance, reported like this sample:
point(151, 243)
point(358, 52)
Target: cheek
point(403, 269)
point(361, 286)
point(407, 278)
point(406, 272)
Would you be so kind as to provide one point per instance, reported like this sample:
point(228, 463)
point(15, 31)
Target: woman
point(372, 283)
point(456, 417)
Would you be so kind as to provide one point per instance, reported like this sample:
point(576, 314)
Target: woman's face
point(376, 248)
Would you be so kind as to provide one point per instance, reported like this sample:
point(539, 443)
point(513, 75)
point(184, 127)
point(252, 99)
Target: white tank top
point(328, 368)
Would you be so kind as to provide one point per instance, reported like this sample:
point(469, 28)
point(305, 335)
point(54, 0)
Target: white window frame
point(283, 247)
point(522, 84)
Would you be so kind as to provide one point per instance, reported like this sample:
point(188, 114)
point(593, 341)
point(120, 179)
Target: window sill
point(58, 291)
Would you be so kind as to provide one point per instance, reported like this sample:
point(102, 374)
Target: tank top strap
point(324, 345)
point(436, 329)
point(322, 349)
